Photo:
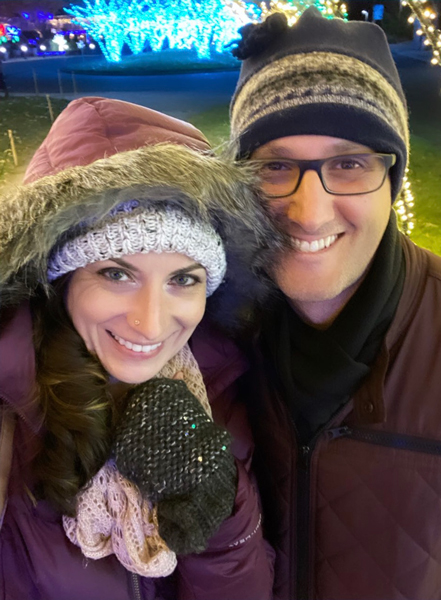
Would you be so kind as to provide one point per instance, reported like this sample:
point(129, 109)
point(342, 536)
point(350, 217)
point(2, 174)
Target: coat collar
point(368, 402)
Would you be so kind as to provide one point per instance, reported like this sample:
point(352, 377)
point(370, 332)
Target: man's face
point(319, 283)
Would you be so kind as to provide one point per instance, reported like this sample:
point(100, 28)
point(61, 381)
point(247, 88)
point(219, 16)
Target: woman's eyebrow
point(122, 263)
point(187, 269)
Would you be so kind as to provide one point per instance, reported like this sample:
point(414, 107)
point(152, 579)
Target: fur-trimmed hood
point(41, 214)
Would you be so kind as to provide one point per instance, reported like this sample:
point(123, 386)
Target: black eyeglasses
point(347, 175)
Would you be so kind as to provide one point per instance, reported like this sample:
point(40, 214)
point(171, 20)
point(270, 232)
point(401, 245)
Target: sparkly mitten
point(169, 447)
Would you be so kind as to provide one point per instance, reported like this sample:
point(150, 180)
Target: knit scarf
point(112, 516)
point(315, 370)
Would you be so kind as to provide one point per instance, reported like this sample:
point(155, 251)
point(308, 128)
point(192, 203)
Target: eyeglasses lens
point(350, 174)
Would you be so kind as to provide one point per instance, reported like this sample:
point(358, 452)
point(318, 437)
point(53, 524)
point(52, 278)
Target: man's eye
point(277, 165)
point(112, 274)
point(348, 163)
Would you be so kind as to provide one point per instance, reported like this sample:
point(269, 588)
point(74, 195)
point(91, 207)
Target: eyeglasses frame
point(316, 165)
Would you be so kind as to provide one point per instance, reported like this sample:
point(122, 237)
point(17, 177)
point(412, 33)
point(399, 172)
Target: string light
point(422, 11)
point(404, 205)
point(203, 25)
point(103, 20)
point(293, 9)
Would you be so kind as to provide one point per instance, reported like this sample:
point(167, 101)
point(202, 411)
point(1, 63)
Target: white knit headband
point(133, 228)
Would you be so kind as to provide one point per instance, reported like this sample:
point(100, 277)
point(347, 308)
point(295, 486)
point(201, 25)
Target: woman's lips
point(142, 349)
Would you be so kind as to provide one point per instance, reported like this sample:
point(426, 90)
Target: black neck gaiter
point(317, 370)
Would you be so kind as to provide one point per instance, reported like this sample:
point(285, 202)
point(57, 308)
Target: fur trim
point(55, 208)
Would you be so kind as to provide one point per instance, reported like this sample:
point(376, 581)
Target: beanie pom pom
point(256, 37)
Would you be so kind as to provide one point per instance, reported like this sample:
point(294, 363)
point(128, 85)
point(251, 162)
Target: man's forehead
point(294, 144)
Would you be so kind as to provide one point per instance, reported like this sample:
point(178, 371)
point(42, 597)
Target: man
point(345, 389)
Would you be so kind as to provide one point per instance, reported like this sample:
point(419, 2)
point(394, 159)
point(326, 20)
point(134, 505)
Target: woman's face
point(135, 313)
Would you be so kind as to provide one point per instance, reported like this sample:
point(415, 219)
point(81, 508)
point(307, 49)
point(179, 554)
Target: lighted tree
point(136, 34)
point(200, 24)
point(104, 21)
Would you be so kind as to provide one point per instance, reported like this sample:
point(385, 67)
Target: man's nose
point(148, 312)
point(310, 206)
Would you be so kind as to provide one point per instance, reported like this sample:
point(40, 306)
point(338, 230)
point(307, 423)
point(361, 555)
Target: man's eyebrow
point(277, 151)
point(188, 269)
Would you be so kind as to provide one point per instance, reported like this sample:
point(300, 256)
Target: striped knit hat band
point(318, 78)
point(132, 228)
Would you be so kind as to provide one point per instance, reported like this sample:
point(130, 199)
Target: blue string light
point(204, 25)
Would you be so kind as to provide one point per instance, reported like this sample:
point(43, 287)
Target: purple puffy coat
point(38, 562)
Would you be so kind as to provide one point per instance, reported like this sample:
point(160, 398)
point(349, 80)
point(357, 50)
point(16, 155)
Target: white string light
point(293, 9)
point(426, 15)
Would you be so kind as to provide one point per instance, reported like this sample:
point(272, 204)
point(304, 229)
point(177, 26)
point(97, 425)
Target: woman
point(109, 466)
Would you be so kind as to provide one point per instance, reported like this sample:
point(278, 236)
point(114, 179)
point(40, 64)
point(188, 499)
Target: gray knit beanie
point(134, 227)
point(319, 77)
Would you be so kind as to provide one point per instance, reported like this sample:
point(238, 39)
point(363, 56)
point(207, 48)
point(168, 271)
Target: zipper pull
point(305, 451)
point(338, 432)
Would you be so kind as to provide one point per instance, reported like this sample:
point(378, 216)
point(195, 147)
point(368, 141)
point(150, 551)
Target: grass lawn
point(29, 120)
point(425, 177)
point(156, 63)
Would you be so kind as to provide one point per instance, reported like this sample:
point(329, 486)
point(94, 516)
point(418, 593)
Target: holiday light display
point(60, 41)
point(204, 25)
point(426, 16)
point(294, 8)
point(104, 20)
point(404, 205)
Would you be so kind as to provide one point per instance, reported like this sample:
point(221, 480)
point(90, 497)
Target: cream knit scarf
point(112, 516)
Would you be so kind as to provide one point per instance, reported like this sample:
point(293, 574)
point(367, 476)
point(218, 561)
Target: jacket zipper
point(136, 587)
point(379, 438)
point(303, 496)
point(390, 440)
point(303, 518)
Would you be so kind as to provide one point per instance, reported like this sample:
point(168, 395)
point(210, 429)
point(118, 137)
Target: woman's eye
point(185, 280)
point(112, 274)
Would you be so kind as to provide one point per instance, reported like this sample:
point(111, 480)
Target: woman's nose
point(148, 313)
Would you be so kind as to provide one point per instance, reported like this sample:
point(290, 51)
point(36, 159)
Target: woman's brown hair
point(79, 411)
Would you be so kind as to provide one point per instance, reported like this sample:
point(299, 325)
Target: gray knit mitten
point(169, 447)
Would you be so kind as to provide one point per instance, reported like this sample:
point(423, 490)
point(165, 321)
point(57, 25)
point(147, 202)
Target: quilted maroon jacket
point(357, 514)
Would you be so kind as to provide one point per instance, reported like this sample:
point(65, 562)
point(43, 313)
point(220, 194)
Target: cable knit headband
point(131, 228)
